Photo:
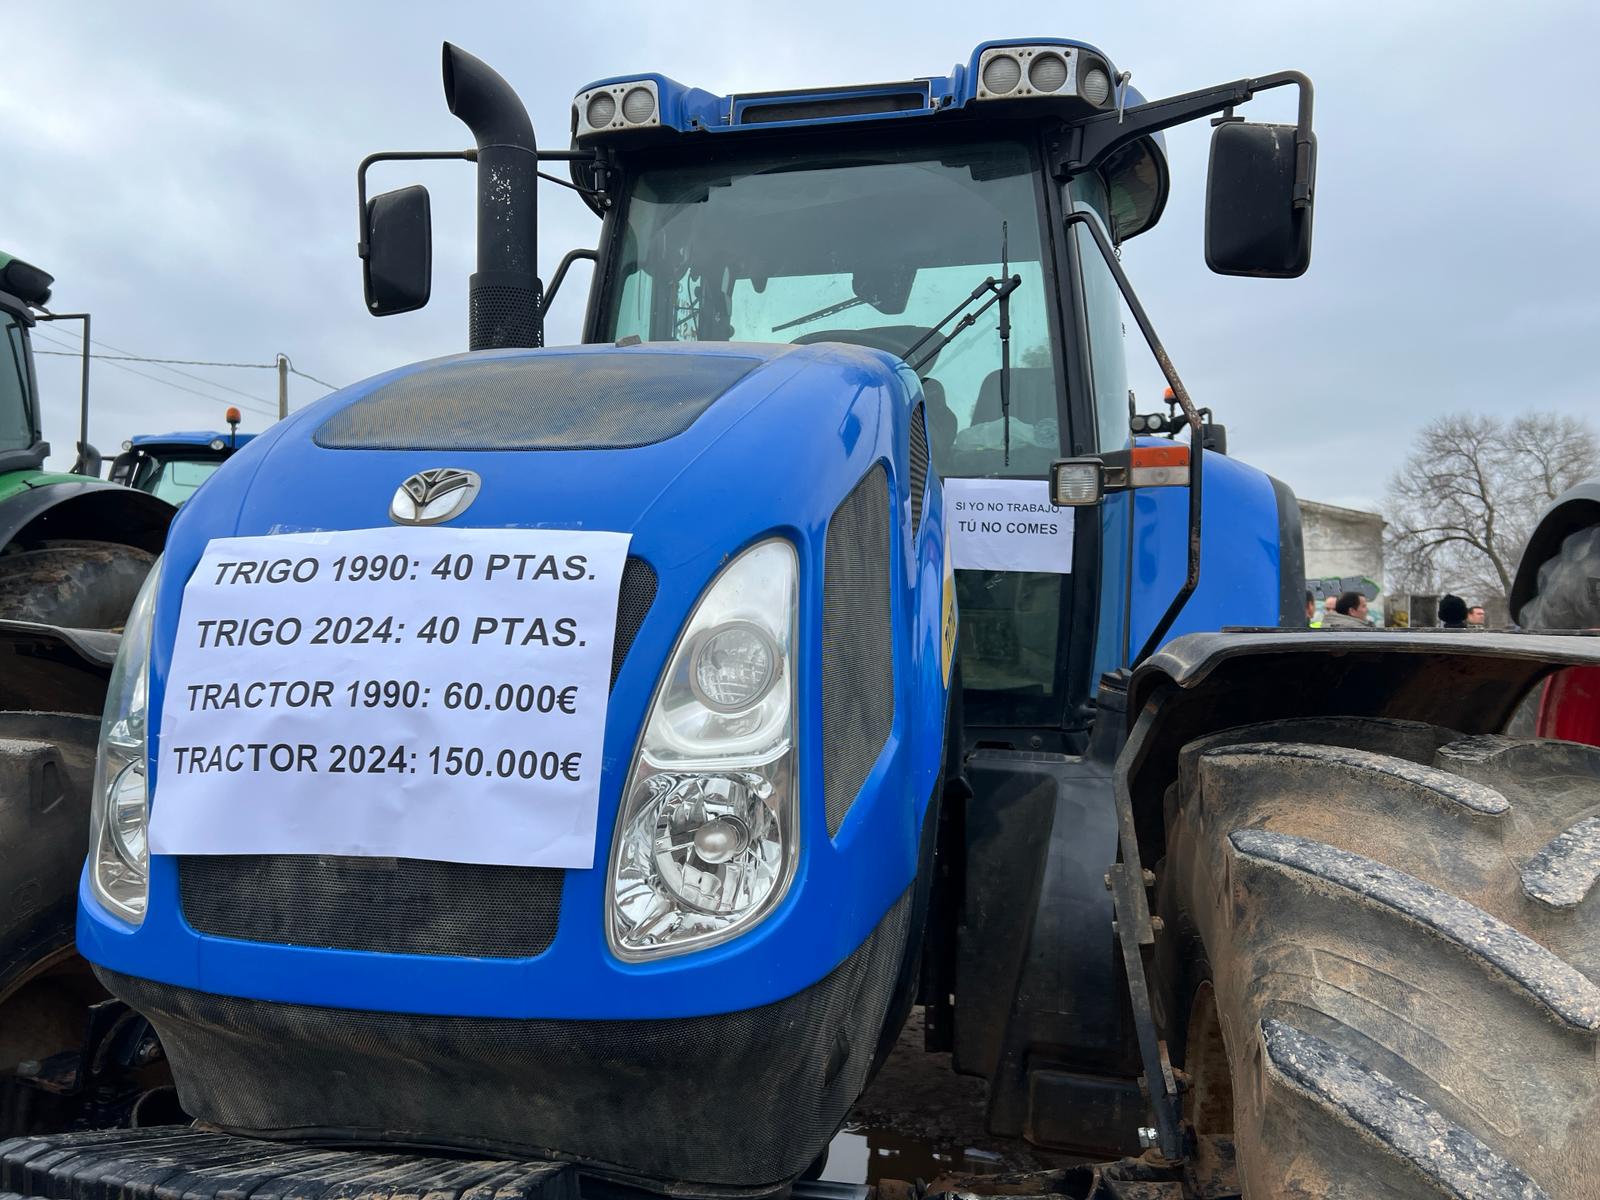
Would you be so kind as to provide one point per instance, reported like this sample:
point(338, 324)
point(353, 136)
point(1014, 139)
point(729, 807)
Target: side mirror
point(1258, 201)
point(122, 468)
point(88, 461)
point(397, 268)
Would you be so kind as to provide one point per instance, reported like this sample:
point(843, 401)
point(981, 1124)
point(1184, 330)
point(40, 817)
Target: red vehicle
point(1558, 587)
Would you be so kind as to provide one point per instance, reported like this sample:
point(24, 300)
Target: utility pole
point(283, 386)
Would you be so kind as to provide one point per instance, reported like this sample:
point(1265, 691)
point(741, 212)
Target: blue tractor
point(172, 466)
point(554, 768)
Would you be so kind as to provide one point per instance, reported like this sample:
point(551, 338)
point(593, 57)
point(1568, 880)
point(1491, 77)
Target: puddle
point(920, 1120)
point(864, 1155)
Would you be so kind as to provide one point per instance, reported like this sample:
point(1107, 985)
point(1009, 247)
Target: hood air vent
point(550, 401)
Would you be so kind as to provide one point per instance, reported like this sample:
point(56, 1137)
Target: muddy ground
point(919, 1119)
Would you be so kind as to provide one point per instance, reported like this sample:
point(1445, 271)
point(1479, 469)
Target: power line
point(263, 407)
point(117, 360)
point(294, 370)
point(257, 405)
point(124, 355)
point(164, 382)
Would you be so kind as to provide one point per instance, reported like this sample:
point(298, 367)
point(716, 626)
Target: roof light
point(1001, 74)
point(638, 105)
point(1047, 72)
point(1095, 86)
point(1051, 72)
point(617, 107)
point(602, 110)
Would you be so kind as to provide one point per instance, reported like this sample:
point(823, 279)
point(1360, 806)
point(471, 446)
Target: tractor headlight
point(119, 858)
point(707, 833)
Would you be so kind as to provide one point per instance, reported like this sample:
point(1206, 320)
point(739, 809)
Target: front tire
point(1397, 930)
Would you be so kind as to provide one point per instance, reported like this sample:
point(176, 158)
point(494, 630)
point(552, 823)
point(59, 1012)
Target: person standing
point(1313, 615)
point(1475, 616)
point(1349, 612)
point(1452, 611)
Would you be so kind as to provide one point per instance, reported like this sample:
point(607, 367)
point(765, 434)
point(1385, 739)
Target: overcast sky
point(186, 171)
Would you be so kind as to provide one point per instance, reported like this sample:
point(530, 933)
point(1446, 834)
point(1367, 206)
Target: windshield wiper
point(999, 292)
point(826, 311)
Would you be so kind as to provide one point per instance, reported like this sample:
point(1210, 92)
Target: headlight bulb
point(734, 666)
point(128, 816)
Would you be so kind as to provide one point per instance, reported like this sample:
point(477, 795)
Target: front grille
point(857, 644)
point(918, 472)
point(633, 604)
point(389, 905)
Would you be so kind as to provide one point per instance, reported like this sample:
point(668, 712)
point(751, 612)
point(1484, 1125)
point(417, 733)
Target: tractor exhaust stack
point(505, 293)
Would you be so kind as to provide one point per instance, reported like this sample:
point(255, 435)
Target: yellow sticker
point(949, 639)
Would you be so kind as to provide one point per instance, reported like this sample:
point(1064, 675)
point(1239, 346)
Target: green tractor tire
point(75, 584)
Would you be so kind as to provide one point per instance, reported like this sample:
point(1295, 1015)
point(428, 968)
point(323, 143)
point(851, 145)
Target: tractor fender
point(87, 509)
point(1575, 509)
point(1204, 682)
point(47, 668)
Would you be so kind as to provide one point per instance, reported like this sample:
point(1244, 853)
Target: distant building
point(1344, 552)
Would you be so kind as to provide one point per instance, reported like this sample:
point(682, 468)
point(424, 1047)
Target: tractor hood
point(614, 438)
point(697, 451)
point(488, 1005)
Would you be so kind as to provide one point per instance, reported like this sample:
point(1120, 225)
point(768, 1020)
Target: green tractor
point(73, 548)
point(74, 551)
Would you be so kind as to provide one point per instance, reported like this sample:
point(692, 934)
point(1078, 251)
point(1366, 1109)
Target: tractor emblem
point(429, 497)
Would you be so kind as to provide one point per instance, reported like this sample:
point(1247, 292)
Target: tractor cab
point(958, 222)
point(171, 466)
point(22, 445)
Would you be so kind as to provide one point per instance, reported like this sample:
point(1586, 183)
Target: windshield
point(811, 248)
point(175, 479)
point(16, 416)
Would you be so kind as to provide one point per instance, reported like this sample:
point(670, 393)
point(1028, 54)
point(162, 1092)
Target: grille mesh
point(633, 605)
point(502, 316)
point(389, 905)
point(919, 466)
point(857, 644)
point(394, 906)
point(768, 1082)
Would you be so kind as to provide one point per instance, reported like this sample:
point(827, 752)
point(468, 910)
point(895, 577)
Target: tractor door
point(19, 413)
point(874, 244)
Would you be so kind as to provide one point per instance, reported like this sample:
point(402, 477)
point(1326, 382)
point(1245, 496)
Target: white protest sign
point(406, 693)
point(1008, 525)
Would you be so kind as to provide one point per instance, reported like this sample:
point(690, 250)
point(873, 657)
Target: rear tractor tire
point(1378, 963)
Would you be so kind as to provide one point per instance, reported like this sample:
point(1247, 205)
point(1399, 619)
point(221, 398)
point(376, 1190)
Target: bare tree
point(1464, 503)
